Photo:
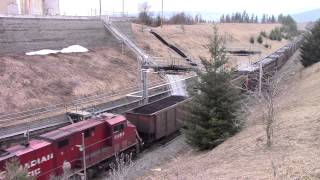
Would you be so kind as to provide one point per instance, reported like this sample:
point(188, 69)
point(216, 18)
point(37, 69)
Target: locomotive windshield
point(63, 143)
point(118, 128)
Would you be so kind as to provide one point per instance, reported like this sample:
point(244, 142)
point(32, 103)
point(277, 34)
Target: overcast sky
point(83, 7)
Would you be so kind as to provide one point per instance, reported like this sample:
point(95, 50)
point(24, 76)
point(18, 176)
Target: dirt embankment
point(294, 155)
point(194, 39)
point(35, 81)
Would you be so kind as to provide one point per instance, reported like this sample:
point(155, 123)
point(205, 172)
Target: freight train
point(92, 143)
point(270, 64)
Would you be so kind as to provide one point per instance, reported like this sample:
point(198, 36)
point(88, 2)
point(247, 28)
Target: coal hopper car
point(159, 119)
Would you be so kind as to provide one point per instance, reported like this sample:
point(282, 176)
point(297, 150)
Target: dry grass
point(34, 81)
point(29, 82)
point(294, 155)
point(193, 39)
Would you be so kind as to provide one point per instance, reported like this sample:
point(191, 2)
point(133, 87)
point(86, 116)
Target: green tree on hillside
point(259, 39)
point(289, 26)
point(275, 34)
point(252, 40)
point(310, 50)
point(214, 108)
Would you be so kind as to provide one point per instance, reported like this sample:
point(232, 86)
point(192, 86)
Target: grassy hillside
point(35, 81)
point(294, 155)
point(193, 40)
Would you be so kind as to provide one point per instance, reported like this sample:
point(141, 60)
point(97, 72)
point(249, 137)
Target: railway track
point(60, 119)
point(45, 119)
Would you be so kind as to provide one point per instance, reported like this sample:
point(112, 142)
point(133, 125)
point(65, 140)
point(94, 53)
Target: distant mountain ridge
point(307, 16)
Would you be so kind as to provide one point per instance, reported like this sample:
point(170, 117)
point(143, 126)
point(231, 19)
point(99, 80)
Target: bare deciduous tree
point(14, 171)
point(121, 167)
point(271, 87)
point(145, 16)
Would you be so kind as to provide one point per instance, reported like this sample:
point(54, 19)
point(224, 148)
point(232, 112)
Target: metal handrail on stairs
point(122, 37)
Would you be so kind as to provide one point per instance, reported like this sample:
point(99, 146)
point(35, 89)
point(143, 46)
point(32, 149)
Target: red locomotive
point(46, 155)
point(102, 137)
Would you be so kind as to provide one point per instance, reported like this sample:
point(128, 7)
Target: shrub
point(276, 34)
point(182, 18)
point(263, 34)
point(259, 39)
point(252, 40)
point(14, 171)
point(267, 46)
point(289, 25)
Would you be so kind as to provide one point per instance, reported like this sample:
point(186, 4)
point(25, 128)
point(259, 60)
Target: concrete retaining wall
point(20, 35)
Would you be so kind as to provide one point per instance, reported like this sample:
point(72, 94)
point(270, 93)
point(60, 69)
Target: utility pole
point(260, 78)
point(161, 13)
point(100, 8)
point(83, 148)
point(145, 93)
point(123, 8)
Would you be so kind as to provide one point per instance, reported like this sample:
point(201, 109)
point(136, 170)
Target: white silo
point(51, 7)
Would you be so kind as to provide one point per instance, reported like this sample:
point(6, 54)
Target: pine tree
point(256, 20)
point(280, 18)
point(222, 19)
point(260, 39)
point(213, 110)
point(276, 34)
point(252, 18)
point(157, 21)
point(228, 19)
point(264, 19)
point(310, 50)
point(251, 40)
point(273, 19)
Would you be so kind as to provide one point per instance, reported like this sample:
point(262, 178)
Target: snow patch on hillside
point(70, 49)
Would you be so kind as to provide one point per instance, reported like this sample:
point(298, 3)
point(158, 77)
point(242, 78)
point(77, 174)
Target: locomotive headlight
point(80, 147)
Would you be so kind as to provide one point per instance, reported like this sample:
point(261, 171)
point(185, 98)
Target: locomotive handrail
point(81, 158)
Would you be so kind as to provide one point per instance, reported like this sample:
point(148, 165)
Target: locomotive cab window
point(89, 132)
point(118, 128)
point(63, 143)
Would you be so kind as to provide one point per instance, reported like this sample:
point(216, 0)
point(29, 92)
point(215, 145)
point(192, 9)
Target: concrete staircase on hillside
point(118, 34)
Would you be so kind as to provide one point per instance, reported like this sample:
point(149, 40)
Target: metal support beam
point(162, 13)
point(145, 93)
point(100, 5)
point(84, 158)
point(122, 8)
point(260, 78)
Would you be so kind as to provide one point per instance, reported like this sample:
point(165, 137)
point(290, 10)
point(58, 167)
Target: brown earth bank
point(194, 39)
point(34, 81)
point(295, 151)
